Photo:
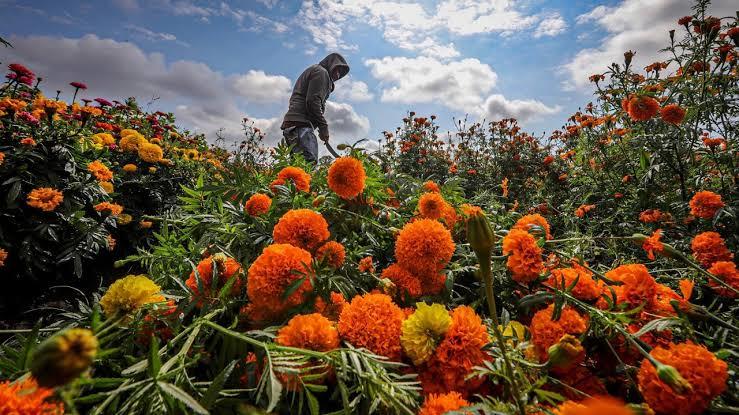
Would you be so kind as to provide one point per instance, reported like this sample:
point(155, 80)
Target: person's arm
point(318, 90)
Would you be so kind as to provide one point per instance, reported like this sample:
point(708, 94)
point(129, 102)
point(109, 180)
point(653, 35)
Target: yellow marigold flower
point(114, 208)
point(124, 219)
point(191, 154)
point(107, 186)
point(129, 131)
point(129, 293)
point(101, 139)
point(45, 198)
point(422, 331)
point(130, 168)
point(156, 141)
point(63, 357)
point(132, 142)
point(151, 153)
point(152, 169)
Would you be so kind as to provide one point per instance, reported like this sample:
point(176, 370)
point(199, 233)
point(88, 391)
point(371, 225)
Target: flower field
point(591, 271)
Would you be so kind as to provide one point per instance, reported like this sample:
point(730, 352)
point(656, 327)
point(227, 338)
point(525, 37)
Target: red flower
point(78, 85)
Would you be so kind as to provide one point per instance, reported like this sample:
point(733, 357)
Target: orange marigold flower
point(470, 210)
point(113, 208)
point(456, 355)
point(709, 247)
point(524, 256)
point(596, 405)
point(28, 141)
point(304, 228)
point(705, 204)
point(504, 186)
point(359, 324)
point(309, 331)
point(366, 265)
point(653, 244)
point(664, 295)
point(586, 288)
point(439, 404)
point(638, 285)
point(424, 247)
point(534, 224)
point(44, 198)
point(642, 108)
point(431, 186)
point(279, 266)
point(226, 267)
point(346, 177)
point(258, 204)
point(300, 179)
point(407, 283)
point(100, 171)
point(332, 309)
point(3, 257)
point(333, 253)
point(150, 153)
point(583, 209)
point(651, 216)
point(2, 158)
point(27, 398)
point(726, 271)
point(706, 374)
point(130, 168)
point(672, 114)
point(431, 205)
point(546, 332)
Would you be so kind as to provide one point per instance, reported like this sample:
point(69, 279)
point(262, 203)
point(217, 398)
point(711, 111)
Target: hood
point(334, 61)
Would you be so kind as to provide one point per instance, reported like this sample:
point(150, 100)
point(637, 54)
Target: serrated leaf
point(182, 396)
point(217, 385)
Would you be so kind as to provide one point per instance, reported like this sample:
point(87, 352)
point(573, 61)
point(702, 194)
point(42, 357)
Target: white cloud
point(257, 86)
point(127, 5)
point(269, 3)
point(344, 123)
point(468, 17)
point(153, 36)
point(636, 25)
point(551, 25)
point(497, 106)
point(347, 89)
point(460, 85)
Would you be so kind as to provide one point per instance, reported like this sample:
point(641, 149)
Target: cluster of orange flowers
point(44, 198)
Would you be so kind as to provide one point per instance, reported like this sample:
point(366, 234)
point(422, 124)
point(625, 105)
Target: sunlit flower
point(358, 324)
point(586, 288)
point(258, 204)
point(107, 186)
point(423, 330)
point(424, 247)
point(431, 205)
point(595, 405)
point(25, 397)
point(44, 198)
point(131, 141)
point(303, 228)
point(642, 107)
point(298, 176)
point(150, 153)
point(524, 256)
point(331, 309)
point(431, 186)
point(366, 265)
point(130, 168)
point(113, 208)
point(583, 209)
point(309, 331)
point(705, 204)
point(439, 404)
point(129, 293)
point(100, 171)
point(534, 224)
point(346, 177)
point(651, 216)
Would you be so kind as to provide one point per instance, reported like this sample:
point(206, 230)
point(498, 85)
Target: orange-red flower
point(346, 177)
point(432, 205)
point(642, 107)
point(366, 265)
point(298, 176)
point(706, 375)
point(726, 271)
point(638, 287)
point(524, 256)
point(258, 204)
point(374, 322)
point(407, 283)
point(113, 208)
point(586, 288)
point(583, 209)
point(332, 309)
point(545, 332)
point(27, 398)
point(100, 171)
point(303, 228)
point(333, 253)
point(651, 216)
point(424, 247)
point(596, 405)
point(3, 257)
point(705, 204)
point(273, 272)
point(672, 114)
point(439, 404)
point(504, 186)
point(653, 244)
point(226, 268)
point(44, 198)
point(534, 224)
point(709, 247)
point(309, 331)
point(431, 186)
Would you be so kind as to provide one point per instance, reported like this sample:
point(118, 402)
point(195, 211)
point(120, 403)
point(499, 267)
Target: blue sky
point(214, 62)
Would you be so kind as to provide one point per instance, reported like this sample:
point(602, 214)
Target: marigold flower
point(431, 187)
point(672, 114)
point(2, 158)
point(358, 324)
point(61, 358)
point(545, 332)
point(726, 271)
point(333, 253)
point(298, 176)
point(423, 330)
point(642, 107)
point(107, 186)
point(583, 209)
point(279, 266)
point(524, 256)
point(534, 224)
point(346, 177)
point(595, 405)
point(638, 285)
point(145, 224)
point(653, 244)
point(258, 204)
point(504, 186)
point(226, 267)
point(303, 228)
point(586, 288)
point(128, 294)
point(651, 216)
point(706, 375)
point(452, 362)
point(424, 247)
point(25, 397)
point(331, 309)
point(566, 353)
point(366, 265)
point(309, 331)
point(130, 168)
point(705, 204)
point(150, 153)
point(439, 404)
point(131, 141)
point(100, 171)
point(3, 257)
point(709, 247)
point(44, 198)
point(431, 205)
point(113, 208)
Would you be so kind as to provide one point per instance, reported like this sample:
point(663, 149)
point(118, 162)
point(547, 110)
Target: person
point(308, 103)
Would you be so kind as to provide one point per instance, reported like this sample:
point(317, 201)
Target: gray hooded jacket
point(311, 90)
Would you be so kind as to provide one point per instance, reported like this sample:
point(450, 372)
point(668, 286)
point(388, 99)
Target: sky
point(213, 63)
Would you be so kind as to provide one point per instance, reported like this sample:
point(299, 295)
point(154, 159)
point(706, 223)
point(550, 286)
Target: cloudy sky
point(214, 62)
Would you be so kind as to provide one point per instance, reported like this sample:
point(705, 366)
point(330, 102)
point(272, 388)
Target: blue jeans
point(303, 141)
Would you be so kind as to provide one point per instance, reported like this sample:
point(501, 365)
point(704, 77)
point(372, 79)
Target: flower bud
point(63, 357)
point(388, 287)
point(567, 353)
point(342, 147)
point(628, 55)
point(667, 250)
point(672, 377)
point(479, 234)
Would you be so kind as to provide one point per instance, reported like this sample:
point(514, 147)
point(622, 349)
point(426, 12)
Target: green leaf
point(312, 403)
point(155, 362)
point(182, 396)
point(293, 287)
point(15, 190)
point(217, 385)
